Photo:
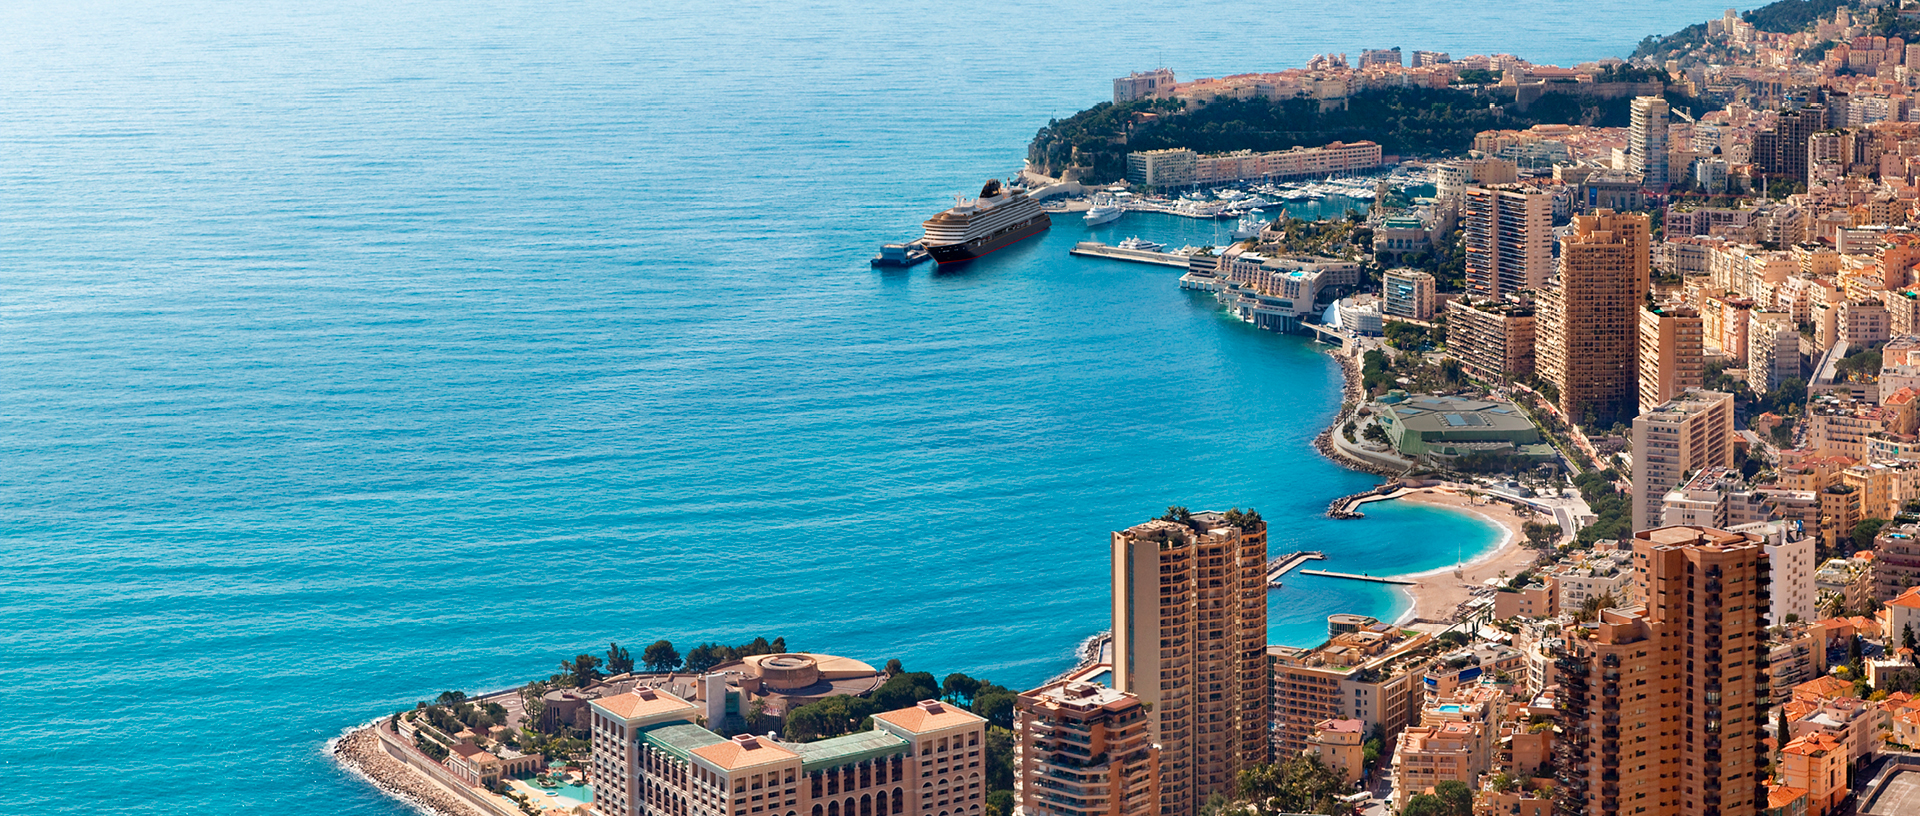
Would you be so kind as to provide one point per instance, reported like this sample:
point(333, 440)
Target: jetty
point(1374, 578)
point(1279, 567)
point(1348, 506)
point(1095, 249)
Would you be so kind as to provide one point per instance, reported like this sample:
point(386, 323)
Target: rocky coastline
point(1351, 398)
point(360, 752)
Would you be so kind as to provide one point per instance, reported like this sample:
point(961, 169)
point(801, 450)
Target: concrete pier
point(1374, 578)
point(1095, 249)
point(1279, 567)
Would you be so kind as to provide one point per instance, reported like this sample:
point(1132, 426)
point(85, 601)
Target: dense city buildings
point(1508, 234)
point(1689, 433)
point(1189, 641)
point(1671, 353)
point(1588, 340)
point(1367, 672)
point(1177, 167)
point(1781, 151)
point(1662, 707)
point(1084, 750)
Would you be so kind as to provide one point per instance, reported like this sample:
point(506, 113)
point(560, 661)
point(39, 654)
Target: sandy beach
point(1440, 592)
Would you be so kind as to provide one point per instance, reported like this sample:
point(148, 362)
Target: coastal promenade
point(401, 772)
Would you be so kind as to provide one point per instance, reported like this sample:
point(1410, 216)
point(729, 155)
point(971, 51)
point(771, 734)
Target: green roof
point(841, 750)
point(679, 738)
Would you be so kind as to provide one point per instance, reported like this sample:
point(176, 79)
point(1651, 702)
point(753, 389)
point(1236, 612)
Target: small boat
point(1249, 227)
point(1144, 246)
point(906, 254)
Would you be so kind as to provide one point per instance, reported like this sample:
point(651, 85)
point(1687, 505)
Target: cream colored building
point(651, 759)
point(1407, 293)
point(1430, 754)
point(1689, 433)
point(1672, 357)
point(1189, 640)
point(1492, 338)
point(1083, 750)
point(1773, 350)
point(1508, 234)
point(1371, 674)
point(1340, 745)
point(1588, 346)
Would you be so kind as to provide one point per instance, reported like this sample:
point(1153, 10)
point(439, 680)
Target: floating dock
point(1095, 249)
point(1374, 578)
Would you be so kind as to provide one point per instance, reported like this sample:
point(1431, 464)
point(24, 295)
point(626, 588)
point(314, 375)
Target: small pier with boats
point(1133, 250)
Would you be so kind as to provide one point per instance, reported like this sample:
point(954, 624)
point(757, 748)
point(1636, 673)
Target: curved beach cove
point(357, 352)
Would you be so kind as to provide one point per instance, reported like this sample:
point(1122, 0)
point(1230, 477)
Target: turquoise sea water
point(351, 352)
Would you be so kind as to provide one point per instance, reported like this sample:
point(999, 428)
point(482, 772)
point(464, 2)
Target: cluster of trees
point(1612, 509)
point(1410, 337)
point(1540, 536)
point(1448, 798)
point(1298, 785)
point(451, 713)
point(584, 669)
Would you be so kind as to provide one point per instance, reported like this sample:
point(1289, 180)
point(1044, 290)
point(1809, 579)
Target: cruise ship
point(970, 229)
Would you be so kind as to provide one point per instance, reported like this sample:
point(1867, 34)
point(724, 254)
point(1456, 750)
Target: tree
point(1865, 532)
point(1540, 536)
point(1000, 802)
point(959, 688)
point(1853, 654)
point(1907, 640)
point(1299, 785)
point(661, 657)
point(618, 661)
point(1457, 797)
point(999, 759)
point(1424, 804)
point(452, 698)
point(894, 667)
point(583, 670)
point(703, 657)
point(1178, 514)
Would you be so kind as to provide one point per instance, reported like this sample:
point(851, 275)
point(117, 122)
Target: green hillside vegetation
point(1405, 121)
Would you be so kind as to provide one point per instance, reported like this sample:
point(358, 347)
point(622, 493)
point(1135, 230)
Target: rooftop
point(847, 748)
point(928, 715)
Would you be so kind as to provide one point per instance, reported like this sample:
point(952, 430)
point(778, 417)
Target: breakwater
point(363, 752)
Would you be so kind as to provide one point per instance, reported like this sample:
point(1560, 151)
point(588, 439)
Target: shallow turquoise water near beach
point(353, 352)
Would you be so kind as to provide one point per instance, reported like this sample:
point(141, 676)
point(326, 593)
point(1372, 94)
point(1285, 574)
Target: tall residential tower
point(1190, 641)
point(1589, 317)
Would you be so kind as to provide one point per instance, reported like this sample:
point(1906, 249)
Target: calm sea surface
point(350, 352)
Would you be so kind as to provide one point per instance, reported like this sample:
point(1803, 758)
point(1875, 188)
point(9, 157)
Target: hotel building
point(1084, 750)
point(1189, 640)
point(1663, 707)
point(651, 759)
point(1369, 674)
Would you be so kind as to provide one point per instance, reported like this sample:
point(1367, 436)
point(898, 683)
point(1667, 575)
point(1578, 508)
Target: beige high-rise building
point(1672, 353)
point(1190, 640)
point(1647, 141)
point(1688, 433)
point(1589, 324)
point(1084, 750)
point(1493, 338)
point(1508, 235)
point(1660, 705)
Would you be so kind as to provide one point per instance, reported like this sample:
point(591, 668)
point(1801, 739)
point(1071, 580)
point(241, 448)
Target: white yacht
point(1104, 210)
point(1138, 243)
